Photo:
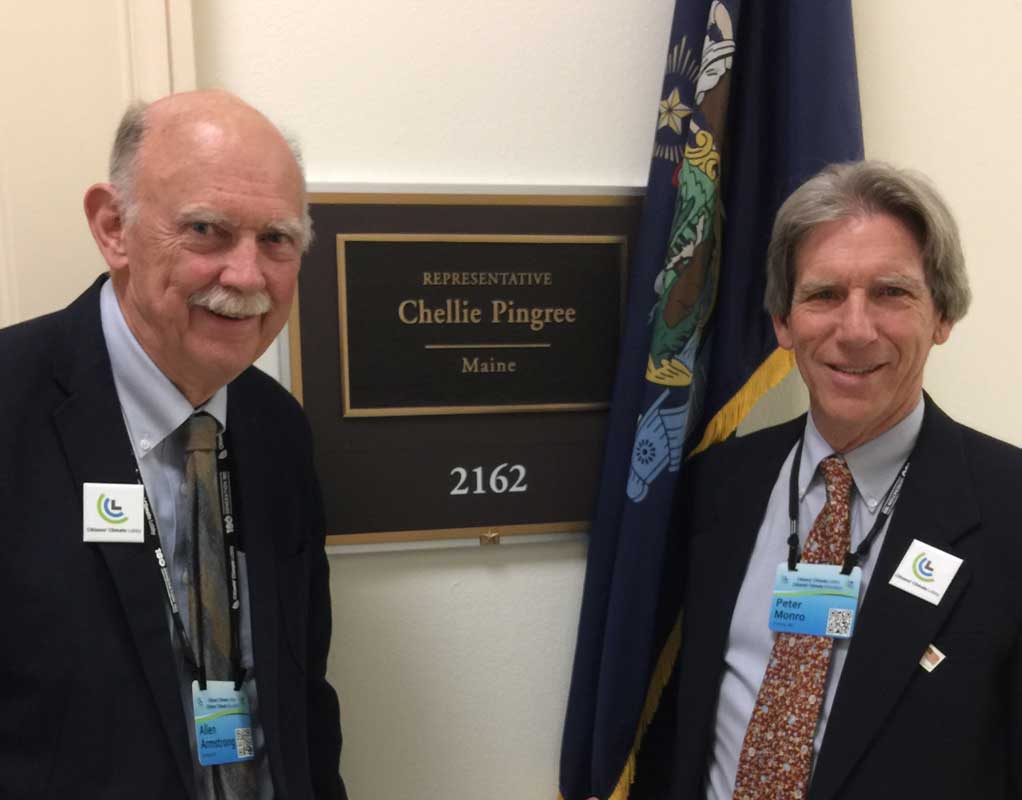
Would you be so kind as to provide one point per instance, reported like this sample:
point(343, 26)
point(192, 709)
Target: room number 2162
point(503, 478)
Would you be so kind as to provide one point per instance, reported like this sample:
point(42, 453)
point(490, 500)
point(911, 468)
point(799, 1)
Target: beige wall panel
point(68, 71)
point(64, 68)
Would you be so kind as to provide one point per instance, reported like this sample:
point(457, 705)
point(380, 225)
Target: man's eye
point(278, 239)
point(202, 228)
point(822, 294)
point(893, 291)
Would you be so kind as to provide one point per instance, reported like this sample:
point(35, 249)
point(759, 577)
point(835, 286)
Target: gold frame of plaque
point(404, 299)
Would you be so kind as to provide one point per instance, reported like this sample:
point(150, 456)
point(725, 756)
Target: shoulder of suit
point(995, 464)
point(754, 458)
point(27, 355)
point(775, 440)
point(26, 341)
point(991, 446)
point(255, 387)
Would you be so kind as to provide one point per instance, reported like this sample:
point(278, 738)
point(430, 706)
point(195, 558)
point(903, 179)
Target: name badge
point(925, 572)
point(223, 723)
point(815, 599)
point(112, 512)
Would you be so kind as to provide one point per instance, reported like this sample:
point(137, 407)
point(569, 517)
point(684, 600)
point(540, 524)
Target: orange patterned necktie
point(777, 754)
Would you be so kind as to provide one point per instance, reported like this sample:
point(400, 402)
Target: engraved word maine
point(471, 323)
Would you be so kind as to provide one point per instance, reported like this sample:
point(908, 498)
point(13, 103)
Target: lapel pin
point(931, 659)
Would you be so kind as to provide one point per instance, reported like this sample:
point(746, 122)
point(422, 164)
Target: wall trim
point(161, 47)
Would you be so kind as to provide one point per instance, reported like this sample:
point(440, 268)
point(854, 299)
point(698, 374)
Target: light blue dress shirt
point(874, 466)
point(154, 411)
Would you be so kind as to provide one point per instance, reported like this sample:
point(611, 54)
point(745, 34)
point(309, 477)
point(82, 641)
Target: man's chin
point(220, 362)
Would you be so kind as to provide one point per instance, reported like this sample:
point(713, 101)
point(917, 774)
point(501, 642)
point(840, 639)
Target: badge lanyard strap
point(851, 559)
point(232, 535)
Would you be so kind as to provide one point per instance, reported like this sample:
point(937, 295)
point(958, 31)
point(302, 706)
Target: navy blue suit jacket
point(89, 696)
point(895, 730)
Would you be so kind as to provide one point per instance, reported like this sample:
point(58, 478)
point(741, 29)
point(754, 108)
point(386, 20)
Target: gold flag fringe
point(662, 674)
point(770, 373)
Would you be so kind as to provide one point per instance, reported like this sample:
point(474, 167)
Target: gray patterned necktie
point(225, 781)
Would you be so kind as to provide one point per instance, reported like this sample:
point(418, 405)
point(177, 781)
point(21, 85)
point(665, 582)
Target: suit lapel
point(249, 436)
point(937, 506)
point(92, 432)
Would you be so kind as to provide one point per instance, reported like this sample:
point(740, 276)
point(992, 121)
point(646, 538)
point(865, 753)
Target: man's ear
point(782, 331)
point(942, 331)
point(106, 222)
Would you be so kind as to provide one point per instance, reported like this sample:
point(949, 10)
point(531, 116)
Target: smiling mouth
point(855, 370)
point(229, 315)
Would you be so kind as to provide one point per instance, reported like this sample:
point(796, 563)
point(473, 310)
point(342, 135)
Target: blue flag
point(757, 97)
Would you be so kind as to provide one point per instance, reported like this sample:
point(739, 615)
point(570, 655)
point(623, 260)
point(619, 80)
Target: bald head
point(150, 132)
point(203, 226)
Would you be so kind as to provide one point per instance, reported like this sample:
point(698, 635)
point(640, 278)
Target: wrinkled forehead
point(208, 164)
point(881, 242)
point(210, 121)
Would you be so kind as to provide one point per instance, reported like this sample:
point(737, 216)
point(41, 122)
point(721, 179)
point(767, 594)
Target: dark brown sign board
point(455, 356)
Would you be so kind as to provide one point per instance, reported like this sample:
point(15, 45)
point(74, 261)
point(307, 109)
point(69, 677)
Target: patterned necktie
point(777, 753)
point(227, 781)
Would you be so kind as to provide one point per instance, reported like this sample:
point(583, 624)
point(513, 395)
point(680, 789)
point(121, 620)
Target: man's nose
point(242, 269)
point(857, 325)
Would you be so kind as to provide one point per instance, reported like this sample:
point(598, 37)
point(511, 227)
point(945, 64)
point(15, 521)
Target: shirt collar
point(874, 465)
point(153, 407)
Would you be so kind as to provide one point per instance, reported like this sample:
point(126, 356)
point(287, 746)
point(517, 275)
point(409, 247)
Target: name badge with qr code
point(815, 599)
point(223, 723)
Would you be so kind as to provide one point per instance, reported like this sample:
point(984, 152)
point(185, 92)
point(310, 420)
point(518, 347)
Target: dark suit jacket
point(90, 704)
point(895, 730)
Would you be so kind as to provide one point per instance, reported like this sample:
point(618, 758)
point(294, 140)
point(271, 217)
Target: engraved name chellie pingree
point(497, 311)
point(457, 311)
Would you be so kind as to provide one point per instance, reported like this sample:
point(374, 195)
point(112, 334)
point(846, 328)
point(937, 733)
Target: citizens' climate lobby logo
point(109, 510)
point(922, 568)
point(112, 512)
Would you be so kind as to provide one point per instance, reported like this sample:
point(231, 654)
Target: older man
point(853, 627)
point(166, 608)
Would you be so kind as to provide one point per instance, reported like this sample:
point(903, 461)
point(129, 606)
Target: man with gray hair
point(164, 576)
point(852, 627)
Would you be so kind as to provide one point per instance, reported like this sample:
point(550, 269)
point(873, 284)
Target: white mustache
point(230, 302)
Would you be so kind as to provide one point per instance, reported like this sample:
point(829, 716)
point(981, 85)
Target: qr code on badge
point(839, 622)
point(243, 742)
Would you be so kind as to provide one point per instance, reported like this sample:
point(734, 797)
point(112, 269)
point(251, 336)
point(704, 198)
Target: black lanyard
point(232, 535)
point(851, 559)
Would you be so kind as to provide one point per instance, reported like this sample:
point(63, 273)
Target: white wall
point(453, 664)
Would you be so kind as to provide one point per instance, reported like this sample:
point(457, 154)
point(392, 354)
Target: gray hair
point(861, 188)
point(124, 155)
point(124, 160)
